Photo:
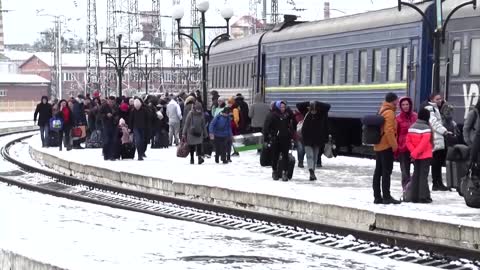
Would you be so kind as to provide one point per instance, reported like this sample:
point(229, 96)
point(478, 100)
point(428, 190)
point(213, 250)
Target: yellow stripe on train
point(346, 87)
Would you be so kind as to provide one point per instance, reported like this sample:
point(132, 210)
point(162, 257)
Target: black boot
point(275, 176)
point(300, 164)
point(284, 176)
point(200, 160)
point(312, 175)
point(192, 160)
point(217, 159)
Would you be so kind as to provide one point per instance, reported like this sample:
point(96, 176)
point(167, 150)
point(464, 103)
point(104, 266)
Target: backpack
point(372, 128)
point(472, 189)
point(56, 124)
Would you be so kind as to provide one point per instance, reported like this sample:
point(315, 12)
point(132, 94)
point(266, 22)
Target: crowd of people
point(131, 124)
point(420, 138)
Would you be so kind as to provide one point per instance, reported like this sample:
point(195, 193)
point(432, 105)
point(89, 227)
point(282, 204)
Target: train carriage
point(461, 59)
point(349, 62)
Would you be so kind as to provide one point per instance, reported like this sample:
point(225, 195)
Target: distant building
point(245, 26)
point(20, 92)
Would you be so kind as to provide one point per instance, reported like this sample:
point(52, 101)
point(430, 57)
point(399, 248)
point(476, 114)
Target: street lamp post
point(146, 72)
point(116, 60)
point(437, 32)
point(204, 52)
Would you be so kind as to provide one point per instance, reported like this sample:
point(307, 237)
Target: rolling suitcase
point(457, 164)
point(127, 151)
point(291, 166)
point(160, 140)
point(53, 139)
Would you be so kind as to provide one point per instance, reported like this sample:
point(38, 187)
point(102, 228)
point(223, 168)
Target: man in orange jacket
point(384, 152)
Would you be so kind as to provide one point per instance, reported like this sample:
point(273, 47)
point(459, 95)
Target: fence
point(17, 106)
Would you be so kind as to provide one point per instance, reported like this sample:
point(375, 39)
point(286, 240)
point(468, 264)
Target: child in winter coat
point(126, 147)
point(220, 131)
point(420, 145)
point(123, 128)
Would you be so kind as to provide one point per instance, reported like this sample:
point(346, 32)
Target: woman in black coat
point(314, 132)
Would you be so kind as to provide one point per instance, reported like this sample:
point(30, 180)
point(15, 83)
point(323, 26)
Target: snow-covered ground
point(16, 116)
point(343, 181)
point(76, 235)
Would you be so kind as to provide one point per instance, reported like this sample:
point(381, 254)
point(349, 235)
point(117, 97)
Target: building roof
point(17, 56)
point(22, 79)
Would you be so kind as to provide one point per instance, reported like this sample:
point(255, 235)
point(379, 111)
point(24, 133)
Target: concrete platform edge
point(13, 261)
point(333, 215)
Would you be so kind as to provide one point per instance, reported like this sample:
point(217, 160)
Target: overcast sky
point(23, 25)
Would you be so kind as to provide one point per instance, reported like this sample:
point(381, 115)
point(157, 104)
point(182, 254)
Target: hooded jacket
point(43, 111)
point(244, 112)
point(278, 126)
point(258, 112)
point(138, 116)
point(220, 126)
point(436, 123)
point(195, 122)
point(419, 141)
point(389, 129)
point(472, 125)
point(404, 121)
point(174, 113)
point(315, 126)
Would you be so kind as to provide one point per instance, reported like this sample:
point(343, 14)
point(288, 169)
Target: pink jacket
point(404, 122)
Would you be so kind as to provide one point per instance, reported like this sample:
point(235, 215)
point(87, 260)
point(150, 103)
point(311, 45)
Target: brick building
point(21, 92)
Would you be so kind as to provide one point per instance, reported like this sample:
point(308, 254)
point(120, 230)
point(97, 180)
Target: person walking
point(174, 115)
point(138, 122)
point(258, 112)
point(244, 121)
point(439, 133)
point(108, 114)
point(314, 132)
point(194, 131)
point(278, 130)
point(384, 152)
point(44, 113)
point(65, 113)
point(419, 142)
point(471, 133)
point(405, 120)
point(220, 132)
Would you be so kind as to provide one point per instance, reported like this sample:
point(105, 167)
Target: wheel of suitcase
point(291, 166)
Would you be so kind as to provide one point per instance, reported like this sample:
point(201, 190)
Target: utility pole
point(58, 64)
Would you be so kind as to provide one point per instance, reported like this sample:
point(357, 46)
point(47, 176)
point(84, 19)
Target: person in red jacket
point(420, 144)
point(405, 120)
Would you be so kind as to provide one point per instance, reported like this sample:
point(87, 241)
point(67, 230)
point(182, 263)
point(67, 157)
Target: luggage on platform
point(472, 188)
point(183, 150)
point(266, 155)
point(95, 140)
point(291, 166)
point(53, 139)
point(127, 151)
point(457, 164)
point(207, 147)
point(56, 124)
point(160, 140)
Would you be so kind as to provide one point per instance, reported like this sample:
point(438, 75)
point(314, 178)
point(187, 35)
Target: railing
point(17, 106)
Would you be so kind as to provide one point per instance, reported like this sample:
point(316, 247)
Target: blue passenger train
point(351, 62)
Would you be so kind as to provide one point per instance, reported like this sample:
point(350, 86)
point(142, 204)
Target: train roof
point(355, 22)
point(234, 44)
point(466, 11)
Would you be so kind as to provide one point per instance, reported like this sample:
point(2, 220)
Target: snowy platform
point(342, 195)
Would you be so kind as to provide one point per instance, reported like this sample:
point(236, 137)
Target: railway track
point(397, 248)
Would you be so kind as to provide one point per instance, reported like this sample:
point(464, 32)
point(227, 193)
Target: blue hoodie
point(221, 126)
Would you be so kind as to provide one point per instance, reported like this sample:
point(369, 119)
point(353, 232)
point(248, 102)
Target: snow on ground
point(16, 116)
point(343, 181)
point(75, 235)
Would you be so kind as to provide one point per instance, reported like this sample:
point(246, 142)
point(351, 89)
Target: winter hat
point(226, 110)
point(391, 97)
point(424, 114)
point(121, 122)
point(124, 107)
point(131, 101)
point(279, 103)
point(137, 104)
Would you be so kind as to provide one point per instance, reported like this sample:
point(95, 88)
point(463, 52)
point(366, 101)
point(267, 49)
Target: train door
point(413, 85)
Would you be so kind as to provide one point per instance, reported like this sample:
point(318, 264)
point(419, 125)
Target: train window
point(456, 53)
point(313, 70)
point(377, 65)
point(293, 71)
point(224, 76)
point(392, 65)
point(303, 70)
point(284, 65)
point(247, 75)
point(239, 76)
point(213, 78)
point(349, 68)
point(325, 68)
point(362, 69)
point(404, 63)
point(230, 76)
point(475, 57)
point(336, 72)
